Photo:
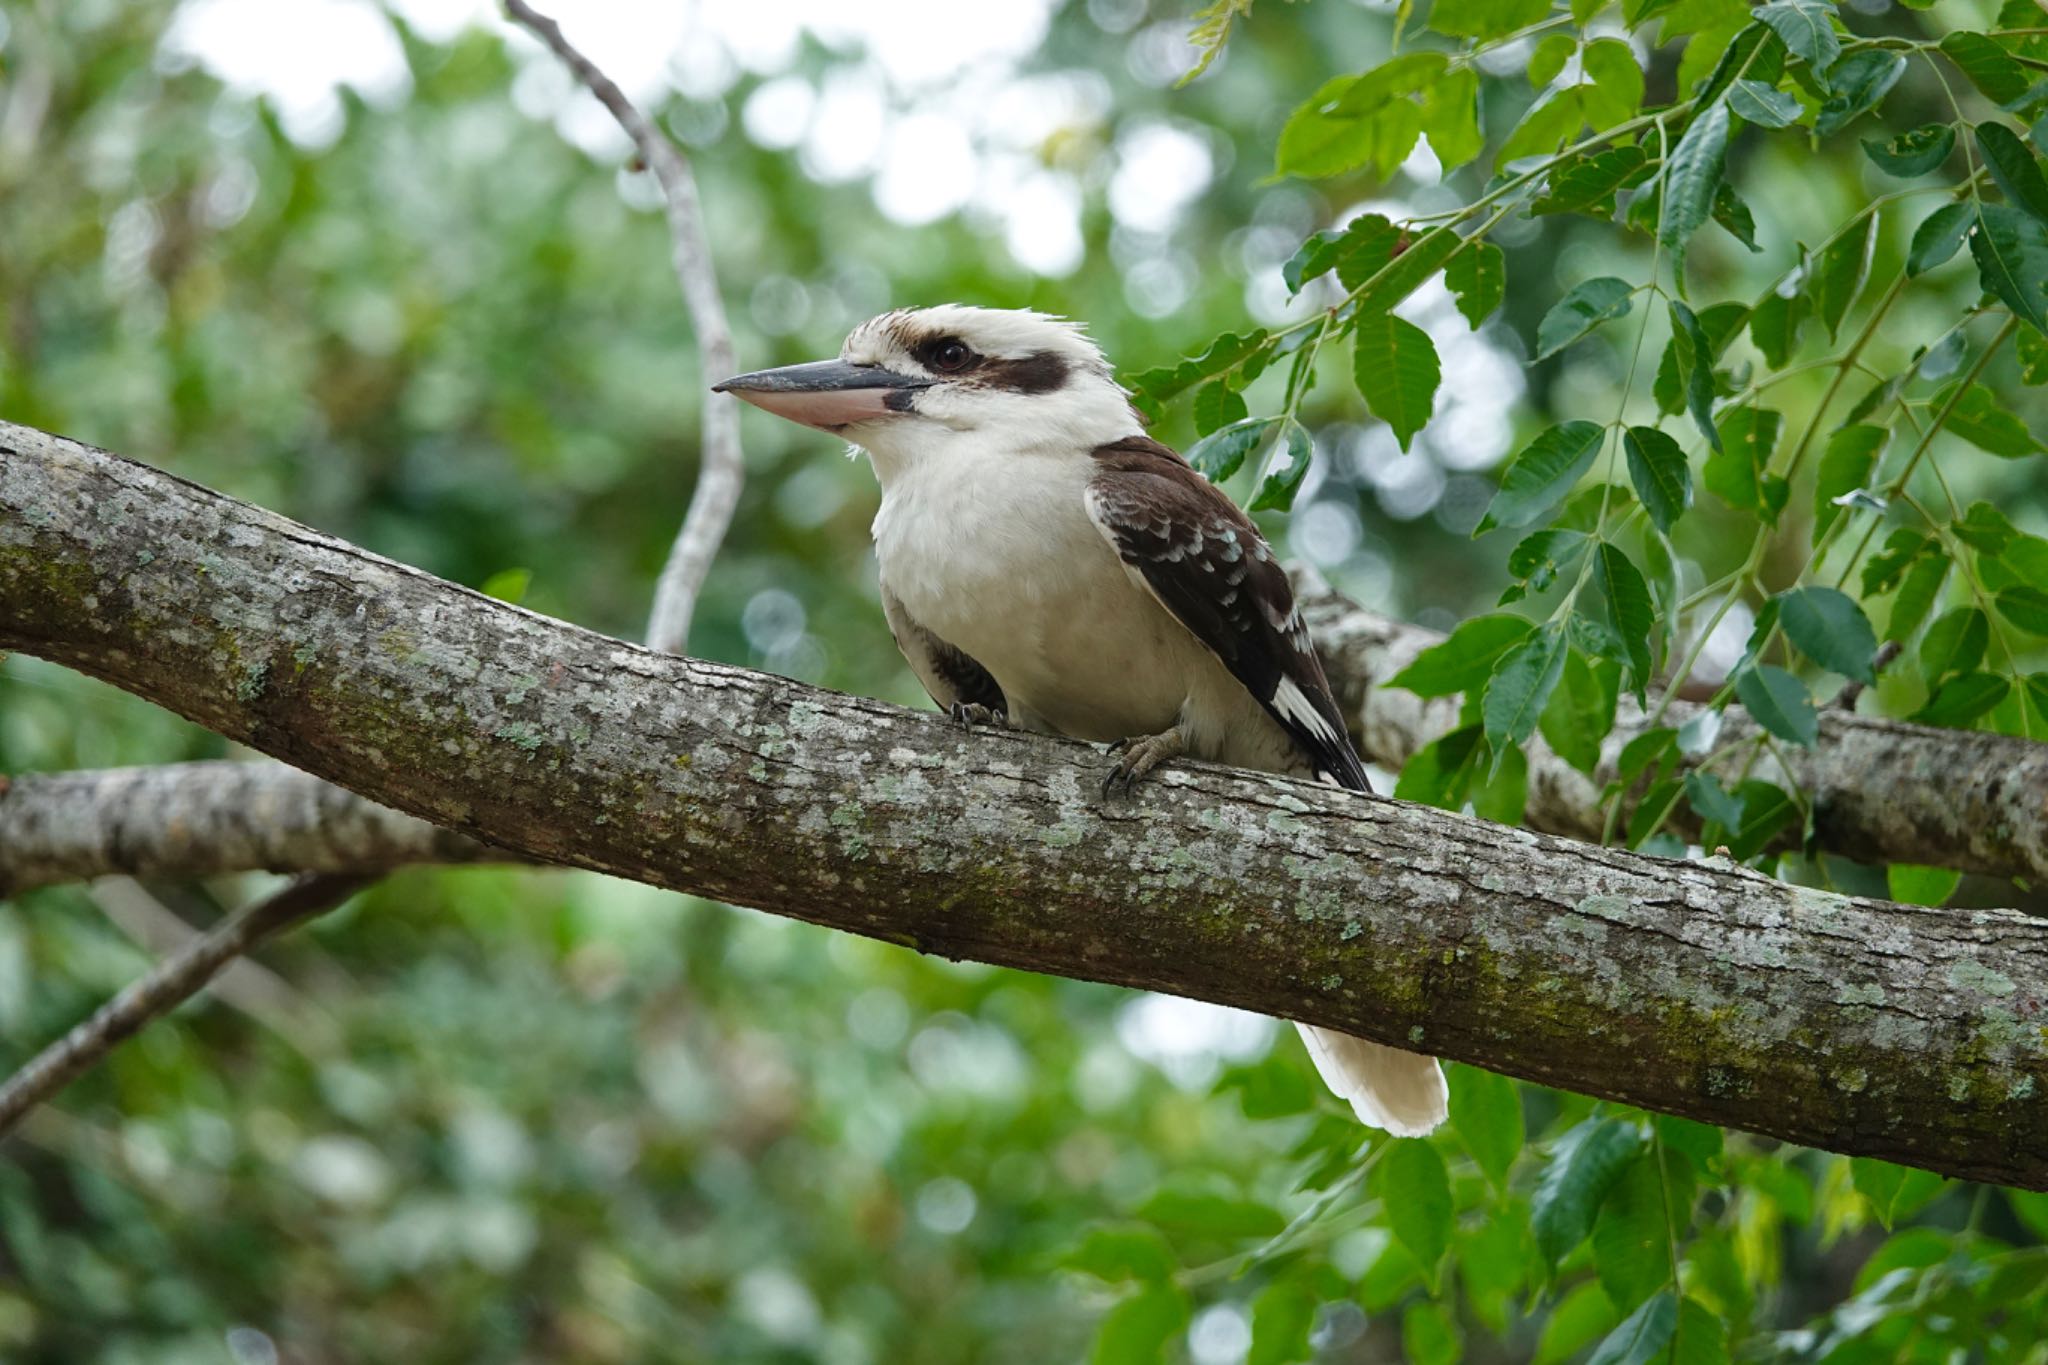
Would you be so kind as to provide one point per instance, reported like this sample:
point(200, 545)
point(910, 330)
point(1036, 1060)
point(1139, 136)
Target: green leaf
point(1615, 91)
point(1138, 1328)
point(1406, 272)
point(1543, 473)
point(1738, 472)
point(1583, 1166)
point(1580, 1318)
point(1625, 606)
point(1764, 105)
point(1852, 452)
point(1546, 63)
point(1428, 1336)
point(1537, 560)
point(2014, 168)
point(1588, 185)
point(1355, 120)
point(1122, 1251)
point(2012, 260)
point(1921, 885)
point(1415, 1189)
point(1700, 1338)
point(1397, 371)
point(1663, 480)
point(1939, 236)
point(1883, 570)
point(2033, 353)
point(1839, 273)
point(1357, 250)
point(1629, 1239)
point(1503, 796)
point(1440, 773)
point(1282, 1316)
point(1766, 809)
point(1806, 28)
point(1282, 481)
point(1220, 454)
point(1227, 352)
point(1580, 713)
point(1878, 1182)
point(1450, 117)
point(1732, 46)
point(508, 585)
point(1779, 702)
point(1585, 307)
point(1546, 127)
point(1955, 643)
point(1979, 418)
point(1830, 629)
point(2026, 607)
point(1985, 528)
point(1692, 176)
point(1916, 597)
point(1988, 66)
point(1962, 699)
point(1651, 746)
point(1465, 659)
point(1712, 801)
point(1486, 1113)
point(1478, 278)
point(1520, 686)
point(1913, 153)
point(1645, 1333)
point(1485, 18)
point(1774, 326)
point(1693, 355)
point(1855, 86)
point(1732, 213)
point(1217, 405)
point(1215, 1215)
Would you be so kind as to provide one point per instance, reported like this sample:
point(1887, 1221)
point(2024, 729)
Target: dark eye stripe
point(1039, 372)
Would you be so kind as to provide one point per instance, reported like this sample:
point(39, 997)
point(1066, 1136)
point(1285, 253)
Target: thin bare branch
point(166, 986)
point(721, 468)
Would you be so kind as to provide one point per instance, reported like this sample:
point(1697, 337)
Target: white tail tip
point(1402, 1092)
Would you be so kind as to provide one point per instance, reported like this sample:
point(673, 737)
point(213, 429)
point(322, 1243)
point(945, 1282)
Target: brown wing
point(1208, 565)
point(948, 674)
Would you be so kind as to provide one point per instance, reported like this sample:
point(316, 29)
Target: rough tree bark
point(1699, 989)
point(1883, 791)
point(202, 820)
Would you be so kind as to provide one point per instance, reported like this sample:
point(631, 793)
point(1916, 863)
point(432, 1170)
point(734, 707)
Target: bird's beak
point(827, 394)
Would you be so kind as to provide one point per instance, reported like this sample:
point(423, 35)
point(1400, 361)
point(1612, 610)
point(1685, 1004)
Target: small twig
point(1845, 699)
point(720, 470)
point(167, 985)
point(242, 984)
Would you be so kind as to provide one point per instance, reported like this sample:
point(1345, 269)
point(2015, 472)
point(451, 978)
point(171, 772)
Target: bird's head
point(919, 382)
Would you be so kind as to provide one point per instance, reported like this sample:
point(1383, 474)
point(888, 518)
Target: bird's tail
point(1402, 1092)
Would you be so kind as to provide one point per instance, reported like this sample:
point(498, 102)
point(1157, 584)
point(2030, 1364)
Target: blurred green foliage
point(504, 1115)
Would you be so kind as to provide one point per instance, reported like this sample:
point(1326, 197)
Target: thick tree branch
point(721, 469)
point(1699, 989)
point(167, 985)
point(1883, 791)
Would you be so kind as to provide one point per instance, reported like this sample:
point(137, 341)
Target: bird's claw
point(971, 713)
point(1138, 756)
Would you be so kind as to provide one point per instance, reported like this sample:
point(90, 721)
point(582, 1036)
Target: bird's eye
point(951, 356)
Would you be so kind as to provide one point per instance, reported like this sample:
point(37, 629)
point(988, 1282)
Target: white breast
point(995, 554)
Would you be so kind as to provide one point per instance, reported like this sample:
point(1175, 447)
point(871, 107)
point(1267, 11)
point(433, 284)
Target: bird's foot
point(1138, 756)
point(971, 713)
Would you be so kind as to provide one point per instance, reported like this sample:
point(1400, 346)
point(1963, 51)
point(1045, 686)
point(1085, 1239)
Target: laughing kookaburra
point(1045, 564)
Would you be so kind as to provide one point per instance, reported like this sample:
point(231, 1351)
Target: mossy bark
point(1693, 988)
